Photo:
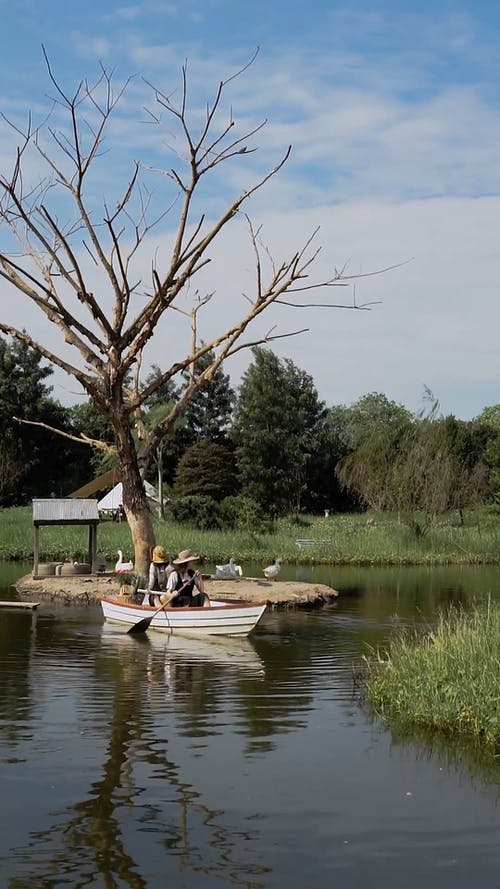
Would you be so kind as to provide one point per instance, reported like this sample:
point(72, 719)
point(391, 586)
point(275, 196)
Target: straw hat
point(185, 556)
point(160, 556)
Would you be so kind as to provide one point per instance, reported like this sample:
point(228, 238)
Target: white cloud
point(394, 156)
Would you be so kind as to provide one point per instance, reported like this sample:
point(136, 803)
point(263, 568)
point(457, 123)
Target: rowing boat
point(223, 618)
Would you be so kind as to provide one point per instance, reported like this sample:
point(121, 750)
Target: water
point(143, 761)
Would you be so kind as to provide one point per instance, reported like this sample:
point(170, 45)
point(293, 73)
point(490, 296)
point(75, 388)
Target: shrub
point(242, 513)
point(199, 510)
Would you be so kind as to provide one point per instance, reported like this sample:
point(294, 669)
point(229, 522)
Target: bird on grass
point(231, 571)
point(272, 571)
point(122, 567)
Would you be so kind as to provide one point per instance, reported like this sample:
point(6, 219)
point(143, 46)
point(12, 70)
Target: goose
point(231, 570)
point(272, 571)
point(122, 566)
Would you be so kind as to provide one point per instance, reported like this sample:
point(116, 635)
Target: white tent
point(112, 501)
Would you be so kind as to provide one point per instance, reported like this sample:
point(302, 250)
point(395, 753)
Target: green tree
point(370, 471)
point(207, 416)
point(88, 422)
point(207, 467)
point(427, 466)
point(35, 456)
point(489, 418)
point(367, 416)
point(278, 427)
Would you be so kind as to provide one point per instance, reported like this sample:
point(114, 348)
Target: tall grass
point(338, 539)
point(447, 679)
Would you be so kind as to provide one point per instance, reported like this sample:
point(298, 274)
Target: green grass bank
point(448, 679)
point(338, 539)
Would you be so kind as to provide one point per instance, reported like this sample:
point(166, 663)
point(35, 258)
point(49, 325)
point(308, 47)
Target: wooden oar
point(143, 625)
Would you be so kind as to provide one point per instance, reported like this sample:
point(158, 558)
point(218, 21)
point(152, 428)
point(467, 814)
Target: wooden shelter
point(65, 512)
point(107, 480)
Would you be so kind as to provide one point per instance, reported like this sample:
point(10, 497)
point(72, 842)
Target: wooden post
point(92, 546)
point(36, 551)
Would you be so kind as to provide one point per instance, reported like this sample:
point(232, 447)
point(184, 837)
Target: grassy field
point(340, 539)
point(449, 679)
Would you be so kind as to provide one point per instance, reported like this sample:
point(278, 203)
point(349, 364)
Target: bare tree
point(63, 243)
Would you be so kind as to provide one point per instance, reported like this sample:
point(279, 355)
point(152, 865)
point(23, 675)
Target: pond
point(144, 761)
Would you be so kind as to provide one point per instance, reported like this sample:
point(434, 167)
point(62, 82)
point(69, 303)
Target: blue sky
point(393, 113)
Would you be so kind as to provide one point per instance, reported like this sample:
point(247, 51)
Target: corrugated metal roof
point(64, 511)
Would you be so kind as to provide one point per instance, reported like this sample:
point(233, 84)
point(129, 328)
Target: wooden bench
point(303, 542)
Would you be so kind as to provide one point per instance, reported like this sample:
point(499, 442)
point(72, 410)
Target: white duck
point(122, 566)
point(231, 571)
point(272, 571)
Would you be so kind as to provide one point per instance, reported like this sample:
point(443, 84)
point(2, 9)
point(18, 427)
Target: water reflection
point(146, 760)
point(17, 637)
point(461, 755)
point(140, 795)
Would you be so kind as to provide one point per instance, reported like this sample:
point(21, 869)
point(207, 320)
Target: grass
point(448, 679)
point(355, 539)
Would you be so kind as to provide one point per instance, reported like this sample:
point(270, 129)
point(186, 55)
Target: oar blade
point(141, 626)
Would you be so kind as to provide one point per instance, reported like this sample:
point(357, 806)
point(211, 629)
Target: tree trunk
point(141, 529)
point(135, 503)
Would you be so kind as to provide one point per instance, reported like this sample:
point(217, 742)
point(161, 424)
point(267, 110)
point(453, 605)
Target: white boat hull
point(221, 619)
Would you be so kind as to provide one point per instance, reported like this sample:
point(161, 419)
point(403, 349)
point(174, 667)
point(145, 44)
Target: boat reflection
point(160, 650)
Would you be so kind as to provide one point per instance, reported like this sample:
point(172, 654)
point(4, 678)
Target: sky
point(392, 111)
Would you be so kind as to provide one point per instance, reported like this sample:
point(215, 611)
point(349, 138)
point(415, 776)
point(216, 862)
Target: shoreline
point(90, 589)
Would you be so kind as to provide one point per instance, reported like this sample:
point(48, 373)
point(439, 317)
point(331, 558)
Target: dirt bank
point(90, 589)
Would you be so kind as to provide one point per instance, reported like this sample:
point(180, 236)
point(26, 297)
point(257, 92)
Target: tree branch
point(81, 439)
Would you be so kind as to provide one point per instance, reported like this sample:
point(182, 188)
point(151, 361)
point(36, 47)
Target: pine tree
point(278, 431)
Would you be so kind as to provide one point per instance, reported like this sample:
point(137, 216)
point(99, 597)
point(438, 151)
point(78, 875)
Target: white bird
point(231, 571)
point(272, 571)
point(122, 566)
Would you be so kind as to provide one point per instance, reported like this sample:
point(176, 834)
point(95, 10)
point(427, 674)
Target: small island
point(90, 589)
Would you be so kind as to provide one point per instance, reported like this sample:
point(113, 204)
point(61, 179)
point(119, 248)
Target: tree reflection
point(139, 801)
point(16, 649)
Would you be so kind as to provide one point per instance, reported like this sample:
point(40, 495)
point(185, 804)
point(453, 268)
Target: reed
point(354, 539)
point(446, 679)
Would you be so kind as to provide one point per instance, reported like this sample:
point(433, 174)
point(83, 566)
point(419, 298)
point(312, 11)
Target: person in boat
point(184, 584)
point(159, 571)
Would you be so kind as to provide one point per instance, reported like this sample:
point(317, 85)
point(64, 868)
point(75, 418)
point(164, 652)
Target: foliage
point(88, 421)
point(490, 419)
point(370, 470)
point(166, 392)
point(207, 416)
point(278, 427)
point(33, 461)
point(199, 510)
point(447, 679)
point(424, 467)
point(243, 513)
point(206, 468)
point(365, 417)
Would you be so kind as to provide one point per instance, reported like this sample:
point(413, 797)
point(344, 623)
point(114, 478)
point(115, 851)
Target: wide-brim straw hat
point(160, 555)
point(185, 556)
